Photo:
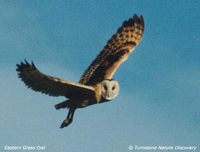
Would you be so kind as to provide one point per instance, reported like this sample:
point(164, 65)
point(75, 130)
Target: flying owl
point(96, 84)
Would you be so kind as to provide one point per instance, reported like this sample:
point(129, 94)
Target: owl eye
point(113, 88)
point(105, 87)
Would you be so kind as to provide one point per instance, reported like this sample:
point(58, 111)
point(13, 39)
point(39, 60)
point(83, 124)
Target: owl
point(96, 85)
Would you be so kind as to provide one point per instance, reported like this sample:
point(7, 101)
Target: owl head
point(109, 89)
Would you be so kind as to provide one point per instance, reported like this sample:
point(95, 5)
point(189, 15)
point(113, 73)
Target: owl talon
point(65, 123)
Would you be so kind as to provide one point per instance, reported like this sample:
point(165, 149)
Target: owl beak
point(108, 95)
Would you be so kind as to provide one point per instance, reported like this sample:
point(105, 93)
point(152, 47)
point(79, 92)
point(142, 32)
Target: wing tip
point(23, 67)
point(24, 64)
point(135, 19)
point(138, 19)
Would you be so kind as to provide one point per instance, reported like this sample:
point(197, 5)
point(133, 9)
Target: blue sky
point(158, 102)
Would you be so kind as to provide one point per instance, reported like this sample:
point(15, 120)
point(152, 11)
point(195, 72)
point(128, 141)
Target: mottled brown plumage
point(115, 52)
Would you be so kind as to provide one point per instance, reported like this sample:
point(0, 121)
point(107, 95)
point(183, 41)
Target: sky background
point(159, 100)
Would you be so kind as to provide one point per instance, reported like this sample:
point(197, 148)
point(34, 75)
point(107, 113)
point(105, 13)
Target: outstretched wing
point(49, 85)
point(115, 52)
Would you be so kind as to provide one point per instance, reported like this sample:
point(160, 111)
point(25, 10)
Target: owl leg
point(69, 118)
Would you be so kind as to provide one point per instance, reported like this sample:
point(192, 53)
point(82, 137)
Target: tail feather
point(62, 105)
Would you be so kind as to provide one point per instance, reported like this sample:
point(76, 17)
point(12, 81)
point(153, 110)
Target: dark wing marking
point(115, 52)
point(49, 85)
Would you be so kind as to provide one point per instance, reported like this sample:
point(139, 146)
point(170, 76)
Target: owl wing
point(115, 52)
point(49, 85)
